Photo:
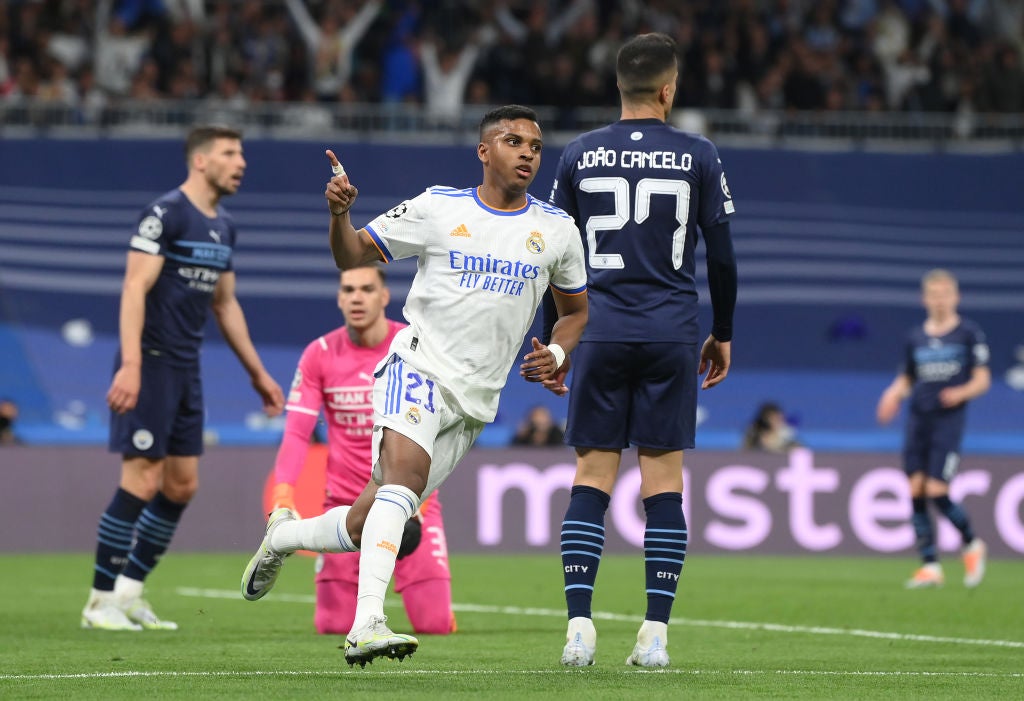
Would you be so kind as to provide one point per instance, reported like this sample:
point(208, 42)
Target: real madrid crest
point(413, 415)
point(535, 242)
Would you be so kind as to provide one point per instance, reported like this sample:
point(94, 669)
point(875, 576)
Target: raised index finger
point(332, 158)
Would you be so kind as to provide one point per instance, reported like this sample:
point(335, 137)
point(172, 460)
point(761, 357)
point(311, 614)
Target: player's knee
point(428, 605)
point(334, 620)
point(335, 607)
point(434, 621)
point(181, 492)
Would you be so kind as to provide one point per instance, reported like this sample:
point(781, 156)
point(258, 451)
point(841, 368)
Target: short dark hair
point(642, 61)
point(372, 266)
point(202, 136)
point(509, 112)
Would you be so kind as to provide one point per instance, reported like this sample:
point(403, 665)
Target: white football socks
point(382, 535)
point(321, 534)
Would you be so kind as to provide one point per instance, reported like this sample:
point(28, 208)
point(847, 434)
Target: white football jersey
point(480, 277)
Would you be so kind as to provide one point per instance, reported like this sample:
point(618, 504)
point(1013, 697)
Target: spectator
point(119, 54)
point(538, 429)
point(8, 413)
point(446, 73)
point(332, 42)
point(1002, 84)
point(770, 431)
point(954, 56)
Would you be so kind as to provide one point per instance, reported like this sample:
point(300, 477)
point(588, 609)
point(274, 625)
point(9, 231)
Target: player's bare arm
point(542, 364)
point(564, 306)
point(715, 359)
point(141, 273)
point(231, 320)
point(349, 247)
point(892, 397)
point(981, 380)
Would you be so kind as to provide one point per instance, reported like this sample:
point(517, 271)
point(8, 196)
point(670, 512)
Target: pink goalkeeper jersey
point(335, 375)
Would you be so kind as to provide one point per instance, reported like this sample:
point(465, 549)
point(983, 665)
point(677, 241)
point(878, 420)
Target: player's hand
point(888, 407)
point(556, 385)
point(715, 358)
point(123, 394)
point(951, 397)
point(283, 497)
point(270, 392)
point(340, 193)
point(540, 363)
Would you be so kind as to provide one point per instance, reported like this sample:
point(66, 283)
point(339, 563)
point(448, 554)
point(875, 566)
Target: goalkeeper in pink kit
point(335, 374)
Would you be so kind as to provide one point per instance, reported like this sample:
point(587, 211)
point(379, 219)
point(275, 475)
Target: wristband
point(556, 350)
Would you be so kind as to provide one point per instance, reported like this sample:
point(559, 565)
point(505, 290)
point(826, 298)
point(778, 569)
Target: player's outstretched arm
point(349, 247)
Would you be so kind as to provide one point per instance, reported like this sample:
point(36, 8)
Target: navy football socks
point(582, 543)
point(115, 539)
point(956, 515)
point(665, 540)
point(154, 530)
point(923, 529)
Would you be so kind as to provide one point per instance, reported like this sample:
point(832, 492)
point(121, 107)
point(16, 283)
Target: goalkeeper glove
point(283, 497)
point(411, 536)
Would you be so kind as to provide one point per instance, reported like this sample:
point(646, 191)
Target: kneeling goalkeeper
point(335, 374)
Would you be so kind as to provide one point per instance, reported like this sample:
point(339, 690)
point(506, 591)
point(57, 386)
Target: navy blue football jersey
point(936, 362)
point(639, 191)
point(197, 250)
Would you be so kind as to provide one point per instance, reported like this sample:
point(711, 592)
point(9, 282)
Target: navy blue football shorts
point(168, 419)
point(640, 394)
point(932, 444)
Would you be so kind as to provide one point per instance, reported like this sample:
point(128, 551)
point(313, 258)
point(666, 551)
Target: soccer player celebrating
point(486, 257)
point(335, 374)
point(179, 266)
point(641, 190)
point(945, 366)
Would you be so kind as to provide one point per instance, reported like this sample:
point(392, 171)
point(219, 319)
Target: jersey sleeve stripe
point(449, 191)
point(301, 409)
point(143, 244)
point(552, 209)
point(378, 242)
point(571, 292)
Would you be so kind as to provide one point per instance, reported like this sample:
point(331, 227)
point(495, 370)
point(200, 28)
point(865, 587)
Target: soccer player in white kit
point(486, 255)
point(335, 378)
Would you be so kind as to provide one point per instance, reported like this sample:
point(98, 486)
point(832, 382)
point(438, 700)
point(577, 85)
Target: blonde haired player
point(945, 365)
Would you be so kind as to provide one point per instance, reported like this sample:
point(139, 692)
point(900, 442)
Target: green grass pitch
point(743, 627)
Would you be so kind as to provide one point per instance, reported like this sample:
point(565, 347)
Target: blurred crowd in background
point(837, 55)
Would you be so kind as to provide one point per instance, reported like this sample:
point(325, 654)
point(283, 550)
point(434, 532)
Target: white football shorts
point(412, 403)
